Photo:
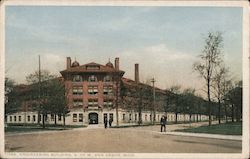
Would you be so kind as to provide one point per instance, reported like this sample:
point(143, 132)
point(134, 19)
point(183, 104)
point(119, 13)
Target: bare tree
point(218, 86)
point(209, 58)
point(227, 85)
point(175, 99)
point(40, 91)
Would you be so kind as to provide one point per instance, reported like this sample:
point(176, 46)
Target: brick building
point(96, 91)
point(92, 89)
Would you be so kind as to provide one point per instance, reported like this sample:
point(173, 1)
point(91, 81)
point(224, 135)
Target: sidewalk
point(203, 135)
point(171, 131)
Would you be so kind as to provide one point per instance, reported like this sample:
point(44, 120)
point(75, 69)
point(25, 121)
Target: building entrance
point(93, 118)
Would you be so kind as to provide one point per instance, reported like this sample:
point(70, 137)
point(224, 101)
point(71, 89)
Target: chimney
point(68, 62)
point(117, 63)
point(137, 73)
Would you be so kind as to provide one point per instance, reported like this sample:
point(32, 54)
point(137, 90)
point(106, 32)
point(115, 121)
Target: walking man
point(105, 122)
point(163, 123)
point(110, 122)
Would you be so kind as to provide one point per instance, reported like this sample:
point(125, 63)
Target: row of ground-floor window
point(81, 117)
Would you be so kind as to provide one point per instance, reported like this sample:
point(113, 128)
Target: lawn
point(32, 128)
point(225, 129)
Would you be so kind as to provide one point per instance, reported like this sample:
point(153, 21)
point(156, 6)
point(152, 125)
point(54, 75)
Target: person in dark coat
point(163, 123)
point(105, 122)
point(110, 122)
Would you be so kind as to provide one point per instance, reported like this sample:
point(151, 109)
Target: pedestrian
point(163, 123)
point(105, 122)
point(110, 122)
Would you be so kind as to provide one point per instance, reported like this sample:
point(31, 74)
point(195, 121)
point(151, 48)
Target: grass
point(19, 128)
point(230, 128)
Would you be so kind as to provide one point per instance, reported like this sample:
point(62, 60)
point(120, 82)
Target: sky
point(164, 40)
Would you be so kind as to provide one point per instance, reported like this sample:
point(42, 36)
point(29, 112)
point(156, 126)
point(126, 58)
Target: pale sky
point(165, 41)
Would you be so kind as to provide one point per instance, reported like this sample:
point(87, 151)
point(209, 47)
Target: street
point(126, 140)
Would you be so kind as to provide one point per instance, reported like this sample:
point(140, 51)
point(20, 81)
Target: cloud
point(166, 64)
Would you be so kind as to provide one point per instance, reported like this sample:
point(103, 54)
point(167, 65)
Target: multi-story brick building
point(96, 91)
point(92, 89)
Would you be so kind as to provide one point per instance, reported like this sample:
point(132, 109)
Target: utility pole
point(117, 98)
point(39, 90)
point(153, 81)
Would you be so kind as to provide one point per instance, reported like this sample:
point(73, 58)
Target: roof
point(132, 83)
point(90, 68)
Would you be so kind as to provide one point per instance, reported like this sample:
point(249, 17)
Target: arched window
point(92, 78)
point(107, 78)
point(77, 78)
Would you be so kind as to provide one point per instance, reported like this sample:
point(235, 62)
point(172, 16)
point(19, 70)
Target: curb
point(203, 135)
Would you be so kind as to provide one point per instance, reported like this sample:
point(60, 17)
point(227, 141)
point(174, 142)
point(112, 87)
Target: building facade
point(95, 92)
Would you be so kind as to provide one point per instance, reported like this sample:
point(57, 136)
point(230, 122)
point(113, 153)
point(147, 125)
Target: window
point(92, 78)
point(10, 118)
point(107, 89)
point(78, 90)
point(92, 102)
point(59, 117)
point(28, 118)
point(92, 89)
point(52, 117)
point(150, 117)
point(74, 117)
point(130, 117)
point(77, 102)
point(40, 117)
point(135, 117)
point(14, 118)
point(80, 117)
point(107, 79)
point(19, 118)
point(77, 78)
point(107, 103)
point(111, 116)
point(158, 117)
point(145, 117)
point(34, 118)
point(123, 116)
point(105, 116)
point(46, 117)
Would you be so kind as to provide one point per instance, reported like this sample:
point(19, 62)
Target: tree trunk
point(55, 118)
point(63, 120)
point(176, 115)
point(39, 117)
point(225, 107)
point(43, 120)
point(219, 112)
point(140, 119)
point(209, 101)
point(190, 118)
point(237, 113)
point(232, 113)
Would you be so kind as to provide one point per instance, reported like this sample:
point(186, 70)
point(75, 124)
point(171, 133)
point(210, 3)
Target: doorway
point(93, 118)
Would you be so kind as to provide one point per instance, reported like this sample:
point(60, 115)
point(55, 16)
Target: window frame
point(93, 102)
point(74, 117)
point(92, 78)
point(77, 90)
point(92, 90)
point(80, 117)
point(107, 78)
point(77, 102)
point(77, 78)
